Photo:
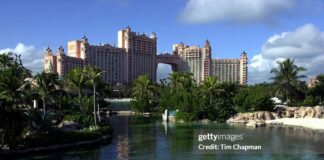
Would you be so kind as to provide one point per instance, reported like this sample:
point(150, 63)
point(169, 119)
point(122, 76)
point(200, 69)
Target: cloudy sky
point(268, 30)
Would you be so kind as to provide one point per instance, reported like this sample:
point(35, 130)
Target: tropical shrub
point(143, 95)
point(287, 79)
point(41, 139)
point(253, 98)
point(82, 118)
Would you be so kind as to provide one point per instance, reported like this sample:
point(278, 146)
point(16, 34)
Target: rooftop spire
point(48, 50)
point(243, 54)
point(128, 28)
point(153, 35)
point(61, 50)
point(207, 43)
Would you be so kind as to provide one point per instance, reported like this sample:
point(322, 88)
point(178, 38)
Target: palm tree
point(186, 80)
point(143, 93)
point(287, 77)
point(230, 89)
point(94, 74)
point(12, 80)
point(211, 87)
point(143, 87)
point(6, 60)
point(180, 80)
point(44, 85)
point(77, 79)
point(174, 78)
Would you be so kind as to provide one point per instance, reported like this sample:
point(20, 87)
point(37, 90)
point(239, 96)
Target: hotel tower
point(136, 54)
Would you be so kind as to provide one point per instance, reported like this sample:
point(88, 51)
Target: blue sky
point(257, 26)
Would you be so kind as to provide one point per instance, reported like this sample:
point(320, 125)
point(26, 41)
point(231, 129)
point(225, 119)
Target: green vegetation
point(211, 100)
point(59, 137)
point(94, 75)
point(79, 117)
point(288, 85)
point(77, 79)
point(143, 95)
point(253, 98)
point(45, 84)
point(287, 79)
point(23, 126)
point(317, 93)
point(218, 101)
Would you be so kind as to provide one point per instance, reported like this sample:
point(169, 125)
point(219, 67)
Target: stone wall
point(260, 115)
point(285, 112)
point(303, 112)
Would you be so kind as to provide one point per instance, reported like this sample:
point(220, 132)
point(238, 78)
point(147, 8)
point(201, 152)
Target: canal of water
point(141, 138)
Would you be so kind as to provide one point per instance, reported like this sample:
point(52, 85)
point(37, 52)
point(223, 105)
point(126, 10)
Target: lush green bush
point(183, 116)
point(220, 110)
point(58, 137)
point(166, 99)
point(211, 100)
point(12, 124)
point(310, 101)
point(141, 105)
point(82, 118)
point(253, 98)
point(318, 90)
point(64, 102)
point(86, 102)
point(143, 95)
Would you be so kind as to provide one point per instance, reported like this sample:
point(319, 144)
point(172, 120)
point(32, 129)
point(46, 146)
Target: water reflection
point(122, 139)
point(149, 138)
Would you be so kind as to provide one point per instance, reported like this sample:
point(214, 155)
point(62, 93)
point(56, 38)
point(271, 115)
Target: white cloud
point(31, 57)
point(237, 11)
point(305, 45)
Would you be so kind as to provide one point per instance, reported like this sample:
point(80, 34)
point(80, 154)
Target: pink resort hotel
point(136, 54)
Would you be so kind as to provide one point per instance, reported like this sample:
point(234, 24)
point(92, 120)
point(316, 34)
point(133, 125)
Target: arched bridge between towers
point(170, 59)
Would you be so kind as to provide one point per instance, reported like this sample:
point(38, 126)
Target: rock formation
point(256, 116)
point(257, 119)
point(303, 112)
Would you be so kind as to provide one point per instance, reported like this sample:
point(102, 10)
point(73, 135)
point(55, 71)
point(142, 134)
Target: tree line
point(76, 97)
point(218, 101)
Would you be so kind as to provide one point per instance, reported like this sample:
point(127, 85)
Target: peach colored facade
point(80, 53)
point(60, 63)
point(231, 70)
point(199, 62)
point(140, 53)
point(136, 54)
point(194, 59)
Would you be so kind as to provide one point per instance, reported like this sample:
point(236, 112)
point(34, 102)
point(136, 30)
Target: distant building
point(80, 53)
point(231, 70)
point(140, 53)
point(199, 62)
point(136, 54)
point(194, 59)
point(311, 82)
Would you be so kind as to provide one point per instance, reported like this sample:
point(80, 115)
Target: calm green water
point(143, 138)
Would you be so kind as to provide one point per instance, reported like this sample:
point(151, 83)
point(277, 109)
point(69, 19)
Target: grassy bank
point(59, 137)
point(57, 140)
